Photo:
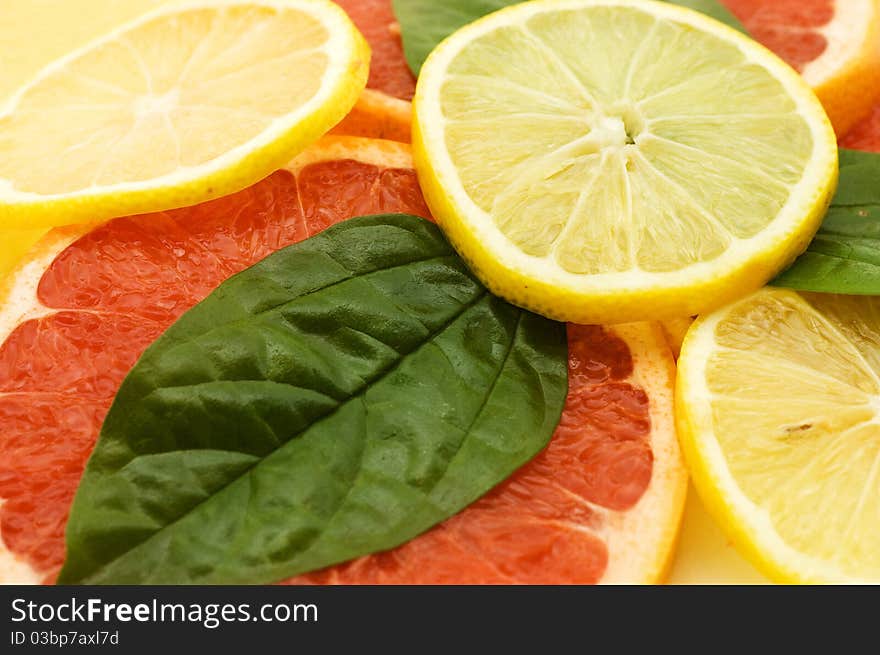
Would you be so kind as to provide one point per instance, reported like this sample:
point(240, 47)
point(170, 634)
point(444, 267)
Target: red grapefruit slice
point(834, 44)
point(602, 503)
point(78, 312)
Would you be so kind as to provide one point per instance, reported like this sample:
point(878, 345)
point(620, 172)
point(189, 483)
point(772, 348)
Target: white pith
point(845, 35)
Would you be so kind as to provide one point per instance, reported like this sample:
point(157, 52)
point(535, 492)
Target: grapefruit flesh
point(790, 28)
point(866, 134)
point(379, 116)
point(601, 503)
point(389, 72)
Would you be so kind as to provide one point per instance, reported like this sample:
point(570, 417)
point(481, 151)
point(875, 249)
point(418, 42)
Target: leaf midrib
point(357, 394)
point(477, 413)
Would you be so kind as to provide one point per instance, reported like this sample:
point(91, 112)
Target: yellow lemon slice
point(604, 161)
point(778, 408)
point(182, 105)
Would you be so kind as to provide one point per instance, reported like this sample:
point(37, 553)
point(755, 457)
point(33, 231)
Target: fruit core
point(617, 128)
point(157, 104)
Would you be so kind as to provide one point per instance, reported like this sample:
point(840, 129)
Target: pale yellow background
point(34, 32)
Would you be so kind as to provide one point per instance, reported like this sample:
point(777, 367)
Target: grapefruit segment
point(66, 352)
point(866, 134)
point(88, 301)
point(44, 442)
point(146, 266)
point(389, 72)
point(793, 29)
point(379, 116)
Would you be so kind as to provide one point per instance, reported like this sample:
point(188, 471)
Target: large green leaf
point(337, 399)
point(425, 23)
point(845, 255)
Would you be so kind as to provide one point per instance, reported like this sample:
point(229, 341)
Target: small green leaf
point(337, 399)
point(425, 23)
point(845, 255)
point(714, 9)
